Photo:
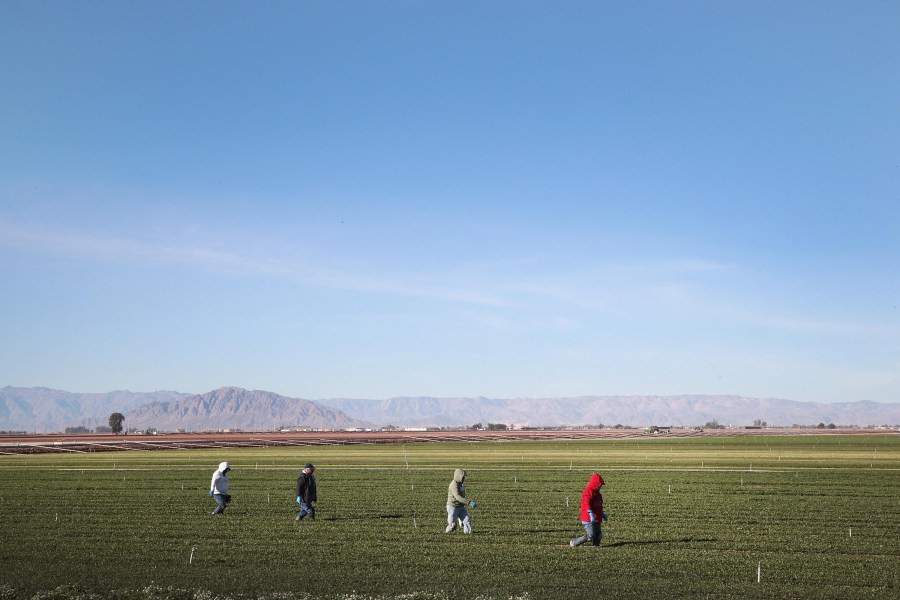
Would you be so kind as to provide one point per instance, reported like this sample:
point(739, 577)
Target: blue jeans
point(306, 511)
point(458, 514)
point(592, 531)
point(222, 501)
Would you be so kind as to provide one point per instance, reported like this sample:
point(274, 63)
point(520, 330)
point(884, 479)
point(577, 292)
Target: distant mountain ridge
point(237, 408)
point(41, 409)
point(46, 410)
point(610, 410)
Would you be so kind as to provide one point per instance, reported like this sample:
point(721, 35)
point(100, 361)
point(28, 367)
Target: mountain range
point(237, 408)
point(40, 409)
point(46, 410)
point(684, 410)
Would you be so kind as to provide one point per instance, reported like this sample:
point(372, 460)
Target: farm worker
point(457, 503)
point(218, 488)
point(591, 512)
point(306, 493)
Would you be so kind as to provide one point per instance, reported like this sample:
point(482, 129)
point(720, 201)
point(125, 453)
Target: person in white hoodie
point(218, 488)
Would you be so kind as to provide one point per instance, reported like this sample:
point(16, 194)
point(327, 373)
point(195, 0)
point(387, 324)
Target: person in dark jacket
point(306, 493)
point(591, 512)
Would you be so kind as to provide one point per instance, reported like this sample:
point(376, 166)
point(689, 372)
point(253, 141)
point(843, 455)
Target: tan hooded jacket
point(456, 495)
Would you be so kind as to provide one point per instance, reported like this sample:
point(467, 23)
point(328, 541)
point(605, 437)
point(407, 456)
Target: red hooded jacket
point(592, 500)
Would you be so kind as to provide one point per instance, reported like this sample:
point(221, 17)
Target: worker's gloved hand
point(473, 504)
point(605, 517)
point(591, 515)
point(299, 500)
point(210, 492)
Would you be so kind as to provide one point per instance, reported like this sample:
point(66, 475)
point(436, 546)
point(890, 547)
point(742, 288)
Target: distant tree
point(497, 427)
point(831, 426)
point(115, 422)
point(78, 429)
point(714, 424)
point(820, 426)
point(476, 426)
point(102, 429)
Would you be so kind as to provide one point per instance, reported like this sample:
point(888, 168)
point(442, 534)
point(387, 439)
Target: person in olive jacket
point(306, 493)
point(457, 503)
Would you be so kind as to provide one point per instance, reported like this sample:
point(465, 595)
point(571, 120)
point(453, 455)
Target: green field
point(811, 517)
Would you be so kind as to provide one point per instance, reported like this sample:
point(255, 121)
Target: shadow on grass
point(366, 518)
point(554, 531)
point(686, 540)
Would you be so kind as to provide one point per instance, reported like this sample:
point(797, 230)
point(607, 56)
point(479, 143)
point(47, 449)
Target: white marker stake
point(415, 525)
point(851, 532)
point(268, 498)
point(758, 572)
point(191, 559)
point(567, 502)
point(670, 489)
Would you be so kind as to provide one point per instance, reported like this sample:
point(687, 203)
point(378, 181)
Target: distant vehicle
point(656, 430)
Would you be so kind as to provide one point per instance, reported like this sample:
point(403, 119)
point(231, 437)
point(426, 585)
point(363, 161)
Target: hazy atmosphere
point(499, 199)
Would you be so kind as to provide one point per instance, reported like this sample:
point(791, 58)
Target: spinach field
point(710, 517)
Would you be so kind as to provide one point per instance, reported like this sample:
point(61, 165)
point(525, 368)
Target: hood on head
point(595, 482)
point(223, 466)
point(459, 475)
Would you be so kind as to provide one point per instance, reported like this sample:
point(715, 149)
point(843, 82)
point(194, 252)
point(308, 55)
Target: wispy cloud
point(663, 286)
point(818, 326)
point(505, 324)
point(111, 249)
point(119, 250)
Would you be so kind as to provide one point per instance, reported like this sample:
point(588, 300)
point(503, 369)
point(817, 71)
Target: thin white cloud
point(607, 287)
point(818, 326)
point(502, 323)
point(110, 249)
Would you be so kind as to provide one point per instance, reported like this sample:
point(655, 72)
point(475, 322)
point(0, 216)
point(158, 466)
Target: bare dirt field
point(80, 443)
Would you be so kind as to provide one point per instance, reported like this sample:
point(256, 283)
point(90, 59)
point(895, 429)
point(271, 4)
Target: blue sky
point(376, 199)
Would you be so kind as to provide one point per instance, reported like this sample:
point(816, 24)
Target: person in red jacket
point(591, 512)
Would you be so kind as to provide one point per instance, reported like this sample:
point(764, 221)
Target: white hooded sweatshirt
point(219, 484)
